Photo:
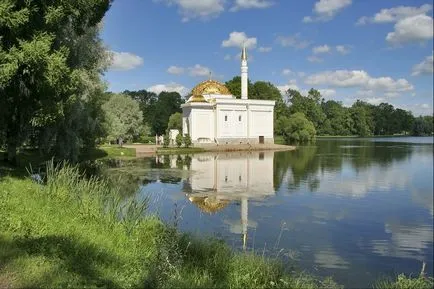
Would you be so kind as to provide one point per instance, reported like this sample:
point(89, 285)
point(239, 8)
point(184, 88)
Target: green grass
point(181, 150)
point(405, 282)
point(116, 151)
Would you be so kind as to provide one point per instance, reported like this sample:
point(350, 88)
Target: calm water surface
point(355, 209)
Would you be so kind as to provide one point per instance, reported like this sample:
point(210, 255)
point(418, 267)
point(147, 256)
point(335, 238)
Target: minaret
point(244, 73)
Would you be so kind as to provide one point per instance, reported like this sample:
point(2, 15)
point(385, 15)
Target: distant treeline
point(332, 117)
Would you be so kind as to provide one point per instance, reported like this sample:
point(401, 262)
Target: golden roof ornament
point(210, 87)
point(244, 53)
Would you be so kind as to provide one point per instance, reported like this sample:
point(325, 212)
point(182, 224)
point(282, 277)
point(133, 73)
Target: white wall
point(233, 127)
point(261, 122)
point(186, 121)
point(202, 120)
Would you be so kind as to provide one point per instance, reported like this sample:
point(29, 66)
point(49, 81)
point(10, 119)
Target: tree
point(297, 128)
point(234, 86)
point(308, 105)
point(147, 101)
point(187, 141)
point(175, 121)
point(41, 70)
point(423, 125)
point(179, 139)
point(362, 118)
point(338, 122)
point(167, 104)
point(123, 117)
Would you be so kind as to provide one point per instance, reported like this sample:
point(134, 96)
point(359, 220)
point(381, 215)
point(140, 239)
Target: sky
point(372, 50)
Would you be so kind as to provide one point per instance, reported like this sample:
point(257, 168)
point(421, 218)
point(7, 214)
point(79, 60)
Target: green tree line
point(300, 117)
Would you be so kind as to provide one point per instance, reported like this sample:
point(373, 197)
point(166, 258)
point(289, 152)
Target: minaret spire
point(244, 73)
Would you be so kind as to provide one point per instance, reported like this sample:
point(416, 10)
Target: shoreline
point(145, 150)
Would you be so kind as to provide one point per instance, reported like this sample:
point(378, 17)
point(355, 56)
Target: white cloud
point(169, 87)
point(203, 9)
point(359, 79)
point(199, 70)
point(292, 84)
point(321, 49)
point(175, 70)
point(327, 93)
point(425, 67)
point(325, 10)
point(249, 4)
point(375, 100)
point(342, 49)
point(287, 71)
point(227, 57)
point(237, 39)
point(412, 29)
point(314, 59)
point(395, 14)
point(264, 49)
point(294, 41)
point(420, 108)
point(124, 60)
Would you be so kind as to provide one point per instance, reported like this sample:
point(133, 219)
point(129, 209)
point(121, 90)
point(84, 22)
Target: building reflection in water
point(219, 179)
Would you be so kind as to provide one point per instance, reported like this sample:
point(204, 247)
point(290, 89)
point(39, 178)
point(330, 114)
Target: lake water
point(354, 209)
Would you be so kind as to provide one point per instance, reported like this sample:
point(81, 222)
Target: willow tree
point(42, 68)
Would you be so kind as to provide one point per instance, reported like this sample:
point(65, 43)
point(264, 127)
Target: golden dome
point(210, 87)
point(208, 205)
point(197, 98)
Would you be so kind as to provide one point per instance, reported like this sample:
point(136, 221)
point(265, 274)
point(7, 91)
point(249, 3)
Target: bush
point(187, 141)
point(297, 129)
point(179, 140)
point(166, 141)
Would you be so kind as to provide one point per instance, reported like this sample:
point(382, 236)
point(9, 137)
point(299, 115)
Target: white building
point(213, 115)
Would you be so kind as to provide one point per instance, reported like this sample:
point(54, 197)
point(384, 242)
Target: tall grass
point(73, 231)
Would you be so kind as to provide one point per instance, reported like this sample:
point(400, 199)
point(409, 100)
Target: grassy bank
point(77, 232)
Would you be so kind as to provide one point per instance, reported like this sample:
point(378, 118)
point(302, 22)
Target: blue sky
point(374, 50)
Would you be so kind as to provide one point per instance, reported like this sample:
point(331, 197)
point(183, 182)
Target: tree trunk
point(12, 152)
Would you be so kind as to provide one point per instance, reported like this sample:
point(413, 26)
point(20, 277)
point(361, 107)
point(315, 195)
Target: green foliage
point(423, 125)
point(308, 105)
point(297, 129)
point(123, 117)
point(157, 109)
point(175, 121)
point(404, 282)
point(187, 141)
point(179, 140)
point(51, 59)
point(166, 140)
point(234, 86)
point(147, 101)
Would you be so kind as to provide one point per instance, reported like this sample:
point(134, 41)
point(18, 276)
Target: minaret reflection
point(218, 179)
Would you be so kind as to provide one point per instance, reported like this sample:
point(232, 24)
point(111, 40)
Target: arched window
point(239, 118)
point(226, 118)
